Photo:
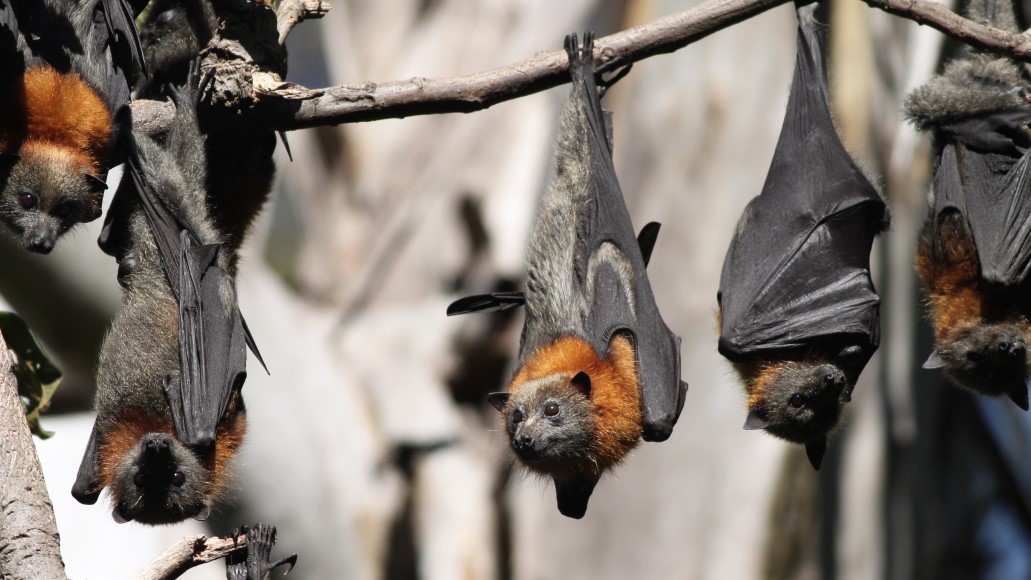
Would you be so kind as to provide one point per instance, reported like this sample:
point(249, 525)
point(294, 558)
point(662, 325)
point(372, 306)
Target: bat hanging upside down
point(799, 318)
point(598, 367)
point(170, 415)
point(974, 252)
point(65, 76)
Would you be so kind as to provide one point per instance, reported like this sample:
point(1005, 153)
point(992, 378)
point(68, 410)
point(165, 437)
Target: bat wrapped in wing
point(170, 415)
point(66, 70)
point(974, 252)
point(598, 368)
point(799, 318)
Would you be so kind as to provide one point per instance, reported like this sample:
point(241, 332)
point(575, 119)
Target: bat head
point(800, 402)
point(160, 482)
point(549, 420)
point(172, 35)
point(989, 358)
point(43, 196)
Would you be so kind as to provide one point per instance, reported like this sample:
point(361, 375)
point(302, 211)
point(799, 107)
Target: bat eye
point(796, 401)
point(138, 479)
point(517, 416)
point(178, 479)
point(28, 200)
point(551, 409)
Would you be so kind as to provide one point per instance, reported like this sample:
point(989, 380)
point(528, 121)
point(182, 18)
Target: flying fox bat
point(598, 368)
point(170, 415)
point(799, 318)
point(974, 252)
point(65, 76)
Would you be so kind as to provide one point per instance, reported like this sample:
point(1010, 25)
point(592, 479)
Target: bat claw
point(255, 564)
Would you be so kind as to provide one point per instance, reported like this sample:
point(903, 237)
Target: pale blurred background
point(370, 445)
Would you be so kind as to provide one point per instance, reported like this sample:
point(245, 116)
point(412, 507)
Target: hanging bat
point(170, 416)
point(598, 368)
point(799, 318)
point(65, 75)
point(172, 34)
point(974, 250)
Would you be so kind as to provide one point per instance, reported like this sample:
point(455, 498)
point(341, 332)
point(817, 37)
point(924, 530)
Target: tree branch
point(287, 107)
point(30, 546)
point(939, 17)
point(187, 553)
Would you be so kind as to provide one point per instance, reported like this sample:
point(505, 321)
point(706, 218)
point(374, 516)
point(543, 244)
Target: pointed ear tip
point(934, 361)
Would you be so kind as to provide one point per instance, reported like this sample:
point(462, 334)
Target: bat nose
point(41, 244)
point(156, 444)
point(524, 441)
point(834, 378)
point(1013, 347)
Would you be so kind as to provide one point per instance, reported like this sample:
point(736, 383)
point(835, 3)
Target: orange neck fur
point(134, 423)
point(615, 393)
point(58, 111)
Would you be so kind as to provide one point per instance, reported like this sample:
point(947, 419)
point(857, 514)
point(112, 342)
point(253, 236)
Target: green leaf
point(37, 376)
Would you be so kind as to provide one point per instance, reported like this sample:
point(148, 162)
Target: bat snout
point(40, 241)
point(1013, 347)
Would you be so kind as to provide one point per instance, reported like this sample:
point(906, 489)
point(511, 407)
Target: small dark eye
point(796, 400)
point(517, 416)
point(551, 409)
point(138, 479)
point(27, 200)
point(178, 479)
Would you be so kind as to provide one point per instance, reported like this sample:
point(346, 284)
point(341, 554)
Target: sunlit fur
point(589, 435)
point(60, 131)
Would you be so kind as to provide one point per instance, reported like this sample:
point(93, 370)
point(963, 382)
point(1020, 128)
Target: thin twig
point(189, 552)
point(292, 12)
point(939, 17)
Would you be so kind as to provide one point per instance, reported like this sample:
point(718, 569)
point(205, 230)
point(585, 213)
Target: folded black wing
point(797, 273)
point(604, 225)
point(993, 192)
point(212, 340)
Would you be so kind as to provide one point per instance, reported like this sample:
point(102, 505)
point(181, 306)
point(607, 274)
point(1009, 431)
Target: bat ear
point(498, 400)
point(755, 421)
point(202, 514)
point(935, 361)
point(95, 183)
point(582, 383)
point(119, 517)
point(814, 450)
point(9, 158)
point(646, 240)
point(1018, 394)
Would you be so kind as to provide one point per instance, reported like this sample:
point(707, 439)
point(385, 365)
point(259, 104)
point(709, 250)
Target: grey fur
point(975, 84)
point(554, 305)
